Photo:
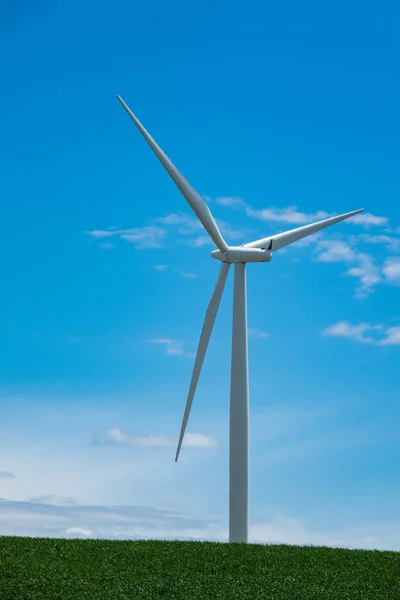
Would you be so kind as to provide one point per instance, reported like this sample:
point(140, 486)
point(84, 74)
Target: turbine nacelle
point(240, 254)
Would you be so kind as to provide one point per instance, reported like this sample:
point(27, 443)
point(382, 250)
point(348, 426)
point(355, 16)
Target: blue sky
point(278, 116)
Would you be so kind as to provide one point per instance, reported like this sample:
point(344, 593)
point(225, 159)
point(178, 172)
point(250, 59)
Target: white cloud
point(99, 233)
point(368, 274)
point(155, 234)
point(392, 242)
point(144, 237)
point(186, 224)
point(55, 500)
point(256, 333)
point(230, 233)
point(6, 475)
point(199, 440)
point(175, 348)
point(78, 532)
point(172, 347)
point(368, 219)
point(144, 522)
point(289, 214)
point(112, 522)
point(183, 224)
point(189, 226)
point(181, 272)
point(141, 237)
point(391, 269)
point(388, 335)
point(203, 240)
point(164, 341)
point(61, 463)
point(335, 251)
point(355, 332)
point(175, 219)
point(232, 202)
point(286, 530)
point(185, 228)
point(185, 274)
point(365, 269)
point(191, 440)
point(392, 337)
point(310, 240)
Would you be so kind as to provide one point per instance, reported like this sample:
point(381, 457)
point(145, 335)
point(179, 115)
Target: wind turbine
point(257, 251)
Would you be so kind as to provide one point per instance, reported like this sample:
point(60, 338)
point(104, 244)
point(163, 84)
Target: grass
point(61, 569)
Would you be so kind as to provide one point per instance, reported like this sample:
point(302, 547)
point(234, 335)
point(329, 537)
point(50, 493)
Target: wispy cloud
point(361, 333)
point(257, 333)
point(391, 269)
point(392, 242)
point(232, 202)
point(202, 240)
point(191, 440)
point(184, 228)
point(355, 332)
point(392, 337)
point(335, 251)
point(364, 267)
point(144, 237)
point(181, 228)
point(186, 274)
point(145, 522)
point(178, 219)
point(368, 219)
point(181, 272)
point(230, 233)
point(6, 475)
point(189, 226)
point(99, 233)
point(55, 500)
point(107, 522)
point(172, 347)
point(291, 214)
point(188, 229)
point(141, 237)
point(183, 223)
point(310, 240)
point(368, 274)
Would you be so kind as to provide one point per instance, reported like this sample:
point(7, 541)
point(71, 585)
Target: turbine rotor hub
point(241, 254)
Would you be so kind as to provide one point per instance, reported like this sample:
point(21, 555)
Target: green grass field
point(55, 569)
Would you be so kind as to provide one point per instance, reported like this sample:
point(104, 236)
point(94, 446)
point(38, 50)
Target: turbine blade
point(275, 242)
point(197, 203)
point(209, 320)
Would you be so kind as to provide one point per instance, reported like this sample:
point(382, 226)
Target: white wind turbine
point(257, 251)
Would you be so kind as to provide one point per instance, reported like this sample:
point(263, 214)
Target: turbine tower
point(257, 251)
